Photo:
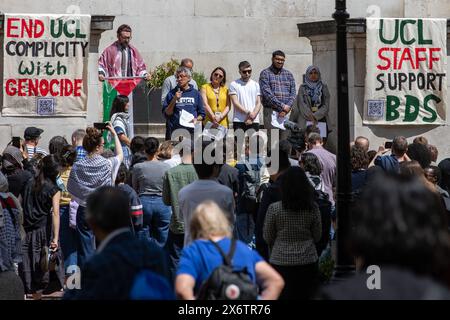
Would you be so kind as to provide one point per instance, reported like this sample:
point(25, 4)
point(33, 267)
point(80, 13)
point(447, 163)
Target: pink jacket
point(110, 62)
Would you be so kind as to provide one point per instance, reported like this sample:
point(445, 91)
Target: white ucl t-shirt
point(246, 93)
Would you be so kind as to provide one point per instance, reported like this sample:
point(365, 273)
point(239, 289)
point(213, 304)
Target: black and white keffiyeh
point(90, 173)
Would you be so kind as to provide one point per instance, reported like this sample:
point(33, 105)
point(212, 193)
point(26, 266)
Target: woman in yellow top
point(215, 98)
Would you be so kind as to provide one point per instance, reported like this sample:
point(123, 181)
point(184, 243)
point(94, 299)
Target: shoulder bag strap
point(226, 258)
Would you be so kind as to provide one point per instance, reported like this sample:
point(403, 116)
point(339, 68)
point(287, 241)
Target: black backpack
point(250, 187)
point(224, 283)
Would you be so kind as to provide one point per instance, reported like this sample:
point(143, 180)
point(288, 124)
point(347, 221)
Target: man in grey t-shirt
point(206, 188)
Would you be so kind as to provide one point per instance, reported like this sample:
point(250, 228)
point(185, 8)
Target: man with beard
point(121, 59)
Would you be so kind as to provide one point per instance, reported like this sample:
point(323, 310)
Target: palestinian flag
point(111, 89)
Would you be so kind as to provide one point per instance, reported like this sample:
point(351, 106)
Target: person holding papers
point(215, 98)
point(313, 101)
point(183, 106)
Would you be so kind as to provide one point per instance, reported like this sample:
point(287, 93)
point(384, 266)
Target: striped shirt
point(31, 150)
point(277, 88)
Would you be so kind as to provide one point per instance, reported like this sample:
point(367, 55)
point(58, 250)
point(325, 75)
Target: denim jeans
point(68, 238)
point(174, 246)
point(85, 238)
point(156, 217)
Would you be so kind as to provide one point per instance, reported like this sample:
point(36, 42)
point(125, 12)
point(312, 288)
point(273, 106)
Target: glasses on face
point(179, 76)
point(218, 75)
point(247, 71)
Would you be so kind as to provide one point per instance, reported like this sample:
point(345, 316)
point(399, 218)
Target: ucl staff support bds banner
point(45, 65)
point(406, 80)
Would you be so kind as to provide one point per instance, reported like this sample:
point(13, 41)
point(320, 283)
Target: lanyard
point(217, 99)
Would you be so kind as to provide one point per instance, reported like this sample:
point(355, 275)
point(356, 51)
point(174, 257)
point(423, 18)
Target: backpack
point(224, 283)
point(250, 185)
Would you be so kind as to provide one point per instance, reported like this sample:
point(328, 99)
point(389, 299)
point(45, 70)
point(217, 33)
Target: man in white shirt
point(246, 98)
point(206, 188)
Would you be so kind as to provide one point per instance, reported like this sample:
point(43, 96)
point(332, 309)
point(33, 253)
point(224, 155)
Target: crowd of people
point(156, 226)
point(150, 220)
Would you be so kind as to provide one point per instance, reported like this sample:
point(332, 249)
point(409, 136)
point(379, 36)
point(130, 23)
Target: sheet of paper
point(278, 122)
point(214, 133)
point(322, 127)
point(186, 119)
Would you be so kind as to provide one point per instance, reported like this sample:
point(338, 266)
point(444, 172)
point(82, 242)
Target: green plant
point(161, 72)
point(200, 78)
point(164, 70)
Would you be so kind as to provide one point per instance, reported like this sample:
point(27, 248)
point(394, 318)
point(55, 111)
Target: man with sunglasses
point(170, 83)
point(183, 99)
point(246, 98)
point(277, 90)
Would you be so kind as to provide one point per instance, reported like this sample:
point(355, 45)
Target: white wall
point(212, 32)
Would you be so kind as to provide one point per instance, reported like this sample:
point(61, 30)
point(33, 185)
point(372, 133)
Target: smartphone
point(388, 144)
point(15, 142)
point(100, 125)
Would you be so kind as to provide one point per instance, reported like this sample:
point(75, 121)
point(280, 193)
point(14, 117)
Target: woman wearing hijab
point(313, 99)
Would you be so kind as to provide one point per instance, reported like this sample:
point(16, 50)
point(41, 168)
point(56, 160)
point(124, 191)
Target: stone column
point(322, 36)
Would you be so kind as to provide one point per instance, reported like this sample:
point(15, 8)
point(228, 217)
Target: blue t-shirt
point(190, 101)
point(389, 163)
point(201, 257)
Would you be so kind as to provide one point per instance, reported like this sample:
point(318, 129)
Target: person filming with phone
point(119, 118)
point(86, 176)
point(391, 162)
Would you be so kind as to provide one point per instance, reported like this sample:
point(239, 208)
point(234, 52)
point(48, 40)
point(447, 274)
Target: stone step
point(156, 130)
point(149, 128)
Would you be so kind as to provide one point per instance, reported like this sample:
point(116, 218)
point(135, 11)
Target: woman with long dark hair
point(291, 229)
point(41, 224)
point(119, 118)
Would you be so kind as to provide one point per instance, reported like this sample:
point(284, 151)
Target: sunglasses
point(246, 71)
point(218, 75)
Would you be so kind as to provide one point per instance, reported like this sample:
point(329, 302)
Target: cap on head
point(32, 133)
